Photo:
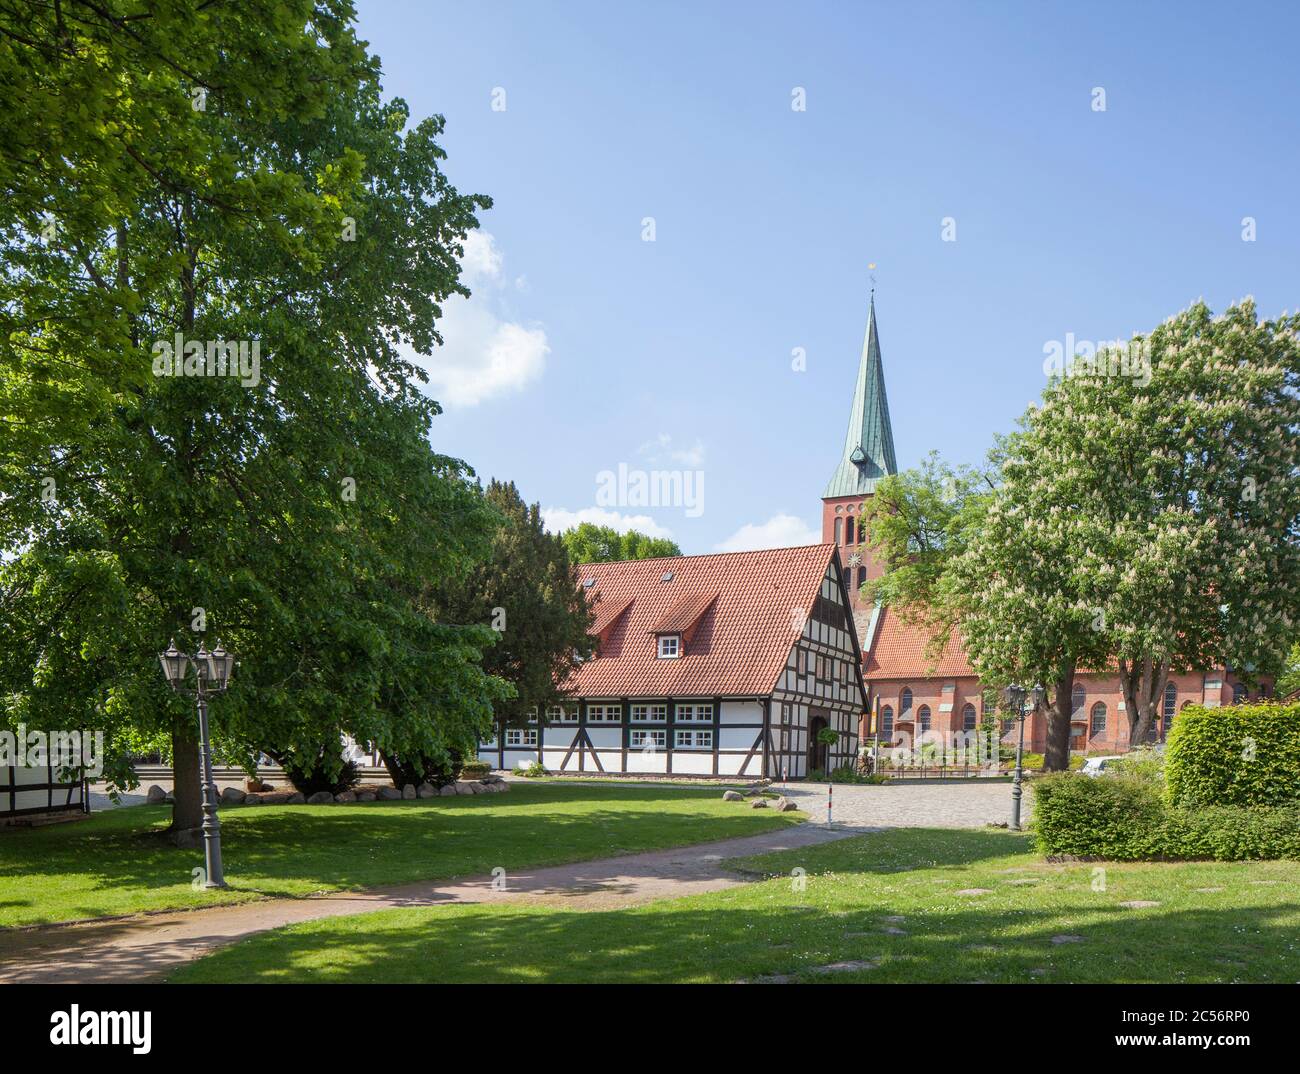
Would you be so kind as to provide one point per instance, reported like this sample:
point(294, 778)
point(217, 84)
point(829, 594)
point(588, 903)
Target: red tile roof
point(684, 616)
point(740, 641)
point(900, 650)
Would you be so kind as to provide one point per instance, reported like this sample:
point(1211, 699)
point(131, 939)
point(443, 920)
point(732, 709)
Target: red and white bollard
point(830, 798)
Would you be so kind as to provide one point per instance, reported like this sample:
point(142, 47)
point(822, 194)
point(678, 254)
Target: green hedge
point(1122, 819)
point(1247, 755)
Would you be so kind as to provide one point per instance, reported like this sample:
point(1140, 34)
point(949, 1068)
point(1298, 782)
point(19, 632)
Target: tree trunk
point(1056, 755)
point(187, 788)
point(1143, 683)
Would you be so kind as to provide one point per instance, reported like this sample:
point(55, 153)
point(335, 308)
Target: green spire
point(869, 444)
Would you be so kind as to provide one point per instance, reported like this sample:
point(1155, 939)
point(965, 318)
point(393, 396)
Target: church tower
point(867, 457)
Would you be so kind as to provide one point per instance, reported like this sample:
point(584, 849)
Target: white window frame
point(521, 736)
point(609, 714)
point(693, 738)
point(562, 713)
point(649, 712)
point(699, 712)
point(667, 641)
point(658, 738)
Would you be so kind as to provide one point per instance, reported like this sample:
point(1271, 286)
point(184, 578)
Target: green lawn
point(112, 864)
point(856, 889)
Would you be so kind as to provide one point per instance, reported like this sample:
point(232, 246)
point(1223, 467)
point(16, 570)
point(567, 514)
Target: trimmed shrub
point(1235, 755)
point(1125, 819)
point(474, 769)
point(1114, 818)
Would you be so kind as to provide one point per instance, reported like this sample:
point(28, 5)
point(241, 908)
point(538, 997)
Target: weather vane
point(871, 268)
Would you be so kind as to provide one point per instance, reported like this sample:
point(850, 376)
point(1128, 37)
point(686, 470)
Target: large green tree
point(528, 592)
point(1145, 520)
point(590, 543)
point(1177, 461)
point(299, 512)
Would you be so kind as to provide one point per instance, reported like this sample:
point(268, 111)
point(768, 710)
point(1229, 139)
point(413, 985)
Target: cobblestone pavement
point(969, 803)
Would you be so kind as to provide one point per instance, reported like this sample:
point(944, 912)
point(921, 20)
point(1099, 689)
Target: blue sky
point(585, 347)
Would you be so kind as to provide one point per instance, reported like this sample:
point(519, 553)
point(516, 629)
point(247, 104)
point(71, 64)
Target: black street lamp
point(212, 671)
point(1015, 697)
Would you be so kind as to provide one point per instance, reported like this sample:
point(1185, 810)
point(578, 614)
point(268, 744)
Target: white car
point(1096, 766)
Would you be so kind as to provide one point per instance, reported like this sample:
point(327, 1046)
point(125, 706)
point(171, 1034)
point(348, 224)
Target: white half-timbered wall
point(652, 735)
point(838, 696)
point(27, 792)
point(748, 737)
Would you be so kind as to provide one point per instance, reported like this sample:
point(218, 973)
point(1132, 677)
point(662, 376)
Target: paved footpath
point(147, 947)
point(967, 803)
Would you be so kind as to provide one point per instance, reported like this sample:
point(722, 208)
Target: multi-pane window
point(785, 712)
point(670, 645)
point(1098, 718)
point(642, 739)
point(562, 713)
point(694, 713)
point(905, 701)
point(649, 713)
point(604, 713)
point(1171, 702)
point(1078, 698)
point(532, 715)
point(693, 740)
point(520, 736)
point(887, 722)
point(968, 719)
point(923, 714)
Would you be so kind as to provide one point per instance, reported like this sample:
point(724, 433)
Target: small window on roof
point(670, 645)
point(587, 583)
point(667, 576)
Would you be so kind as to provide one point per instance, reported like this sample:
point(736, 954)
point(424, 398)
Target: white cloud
point(660, 450)
point(485, 353)
point(779, 531)
point(559, 519)
point(482, 260)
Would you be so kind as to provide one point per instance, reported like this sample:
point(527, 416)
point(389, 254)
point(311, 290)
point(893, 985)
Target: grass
point(856, 890)
point(114, 863)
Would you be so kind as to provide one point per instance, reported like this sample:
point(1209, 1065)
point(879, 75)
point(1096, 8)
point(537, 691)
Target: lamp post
point(1015, 698)
point(212, 672)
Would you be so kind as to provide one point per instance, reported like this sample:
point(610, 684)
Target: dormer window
point(670, 646)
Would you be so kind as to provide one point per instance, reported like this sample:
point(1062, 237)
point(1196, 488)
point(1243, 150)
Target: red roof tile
point(742, 635)
point(684, 616)
point(901, 651)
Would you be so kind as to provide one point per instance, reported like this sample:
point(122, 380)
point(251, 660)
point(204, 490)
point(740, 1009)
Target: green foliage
point(527, 591)
point(847, 773)
point(1246, 755)
point(1146, 764)
point(1289, 681)
point(1128, 819)
point(474, 769)
point(533, 770)
point(305, 514)
point(590, 543)
point(828, 736)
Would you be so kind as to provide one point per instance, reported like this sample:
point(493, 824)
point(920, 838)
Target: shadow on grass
point(904, 905)
point(93, 868)
point(711, 943)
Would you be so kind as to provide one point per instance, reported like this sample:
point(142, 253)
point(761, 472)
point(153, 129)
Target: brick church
point(914, 694)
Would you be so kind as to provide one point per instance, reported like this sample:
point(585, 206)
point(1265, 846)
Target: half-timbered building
point(718, 665)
